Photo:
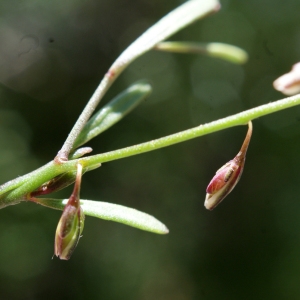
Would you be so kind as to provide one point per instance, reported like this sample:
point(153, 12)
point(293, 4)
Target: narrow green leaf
point(114, 111)
point(123, 214)
point(111, 212)
point(227, 52)
point(174, 21)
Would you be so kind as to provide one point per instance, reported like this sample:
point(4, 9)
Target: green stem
point(239, 119)
point(14, 190)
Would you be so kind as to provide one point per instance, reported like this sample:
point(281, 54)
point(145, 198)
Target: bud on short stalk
point(228, 176)
point(71, 223)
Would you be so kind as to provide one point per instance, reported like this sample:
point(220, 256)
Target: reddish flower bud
point(227, 176)
point(71, 223)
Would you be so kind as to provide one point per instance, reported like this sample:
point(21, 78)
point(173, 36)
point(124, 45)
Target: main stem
point(16, 189)
point(239, 119)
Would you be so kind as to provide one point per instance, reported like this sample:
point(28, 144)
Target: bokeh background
point(53, 54)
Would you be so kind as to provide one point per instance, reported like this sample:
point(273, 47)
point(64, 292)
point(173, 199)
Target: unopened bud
point(289, 83)
point(227, 176)
point(71, 223)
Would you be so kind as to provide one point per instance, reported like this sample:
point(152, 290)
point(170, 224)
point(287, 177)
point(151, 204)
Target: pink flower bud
point(227, 176)
point(71, 223)
point(289, 83)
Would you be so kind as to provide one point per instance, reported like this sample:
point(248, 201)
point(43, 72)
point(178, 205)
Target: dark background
point(53, 54)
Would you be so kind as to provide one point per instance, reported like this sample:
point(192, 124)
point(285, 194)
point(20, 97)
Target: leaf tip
point(166, 230)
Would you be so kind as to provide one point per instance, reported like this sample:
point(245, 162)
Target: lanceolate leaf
point(114, 111)
point(111, 212)
point(177, 19)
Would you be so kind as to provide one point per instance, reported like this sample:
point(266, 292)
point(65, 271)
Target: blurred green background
point(52, 56)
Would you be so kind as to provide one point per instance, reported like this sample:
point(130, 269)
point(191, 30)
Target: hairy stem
point(235, 120)
point(17, 189)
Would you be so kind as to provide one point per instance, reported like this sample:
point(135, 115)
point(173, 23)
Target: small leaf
point(114, 111)
point(81, 152)
point(111, 212)
point(180, 17)
point(223, 51)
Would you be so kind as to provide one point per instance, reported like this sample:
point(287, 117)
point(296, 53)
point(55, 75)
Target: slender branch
point(179, 18)
point(235, 120)
point(12, 191)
